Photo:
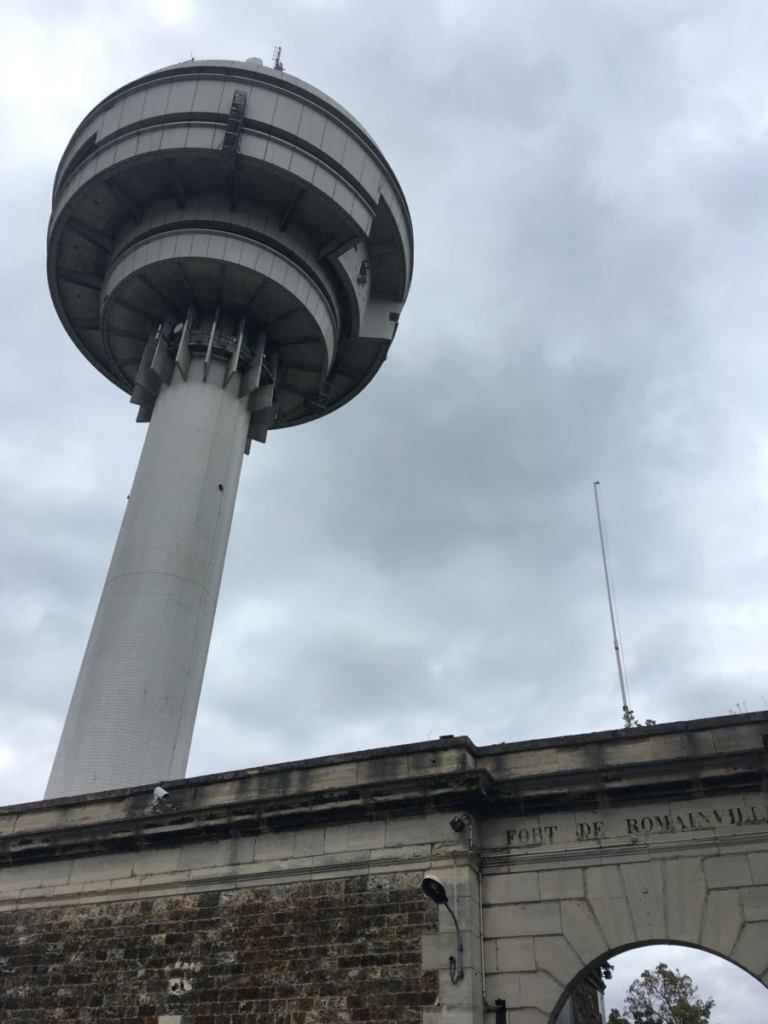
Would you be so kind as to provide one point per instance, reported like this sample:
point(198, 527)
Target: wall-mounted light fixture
point(460, 822)
point(432, 887)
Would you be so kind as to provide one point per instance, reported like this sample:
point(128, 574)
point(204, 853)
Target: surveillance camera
point(433, 887)
point(161, 801)
point(458, 823)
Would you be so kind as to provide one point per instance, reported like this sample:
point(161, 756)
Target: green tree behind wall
point(663, 996)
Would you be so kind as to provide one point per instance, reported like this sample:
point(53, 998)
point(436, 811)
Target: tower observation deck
point(230, 247)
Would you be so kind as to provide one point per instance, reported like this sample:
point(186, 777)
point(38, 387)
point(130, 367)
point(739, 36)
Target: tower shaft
point(133, 710)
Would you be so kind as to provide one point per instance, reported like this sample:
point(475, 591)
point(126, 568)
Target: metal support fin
point(155, 369)
point(162, 364)
point(263, 402)
point(235, 360)
point(143, 389)
point(256, 433)
point(252, 378)
point(211, 336)
point(142, 397)
point(183, 355)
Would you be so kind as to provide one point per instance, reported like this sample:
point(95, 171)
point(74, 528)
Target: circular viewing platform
point(228, 192)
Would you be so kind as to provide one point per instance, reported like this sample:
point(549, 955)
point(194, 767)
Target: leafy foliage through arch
point(663, 996)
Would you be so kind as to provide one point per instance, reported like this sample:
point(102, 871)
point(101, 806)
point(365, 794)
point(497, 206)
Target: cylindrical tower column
point(133, 709)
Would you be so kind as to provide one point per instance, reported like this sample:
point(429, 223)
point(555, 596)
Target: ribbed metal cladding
point(230, 247)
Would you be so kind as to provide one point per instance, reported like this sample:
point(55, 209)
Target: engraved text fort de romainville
point(683, 821)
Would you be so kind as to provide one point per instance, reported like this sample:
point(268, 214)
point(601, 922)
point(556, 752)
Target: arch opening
point(740, 997)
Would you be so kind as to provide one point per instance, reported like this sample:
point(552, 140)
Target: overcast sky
point(589, 190)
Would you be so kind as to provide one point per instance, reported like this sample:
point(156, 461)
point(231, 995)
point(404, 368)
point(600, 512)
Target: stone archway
point(582, 845)
point(611, 955)
point(738, 996)
point(635, 877)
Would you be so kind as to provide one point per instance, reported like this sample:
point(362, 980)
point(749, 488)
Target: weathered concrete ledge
point(681, 760)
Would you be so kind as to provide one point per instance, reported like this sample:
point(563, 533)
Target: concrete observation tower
point(230, 247)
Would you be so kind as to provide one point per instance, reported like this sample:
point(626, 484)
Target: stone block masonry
point(323, 952)
point(291, 894)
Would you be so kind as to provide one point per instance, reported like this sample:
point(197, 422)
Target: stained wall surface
point(291, 894)
point(323, 951)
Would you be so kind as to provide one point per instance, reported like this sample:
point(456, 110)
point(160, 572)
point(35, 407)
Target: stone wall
point(291, 894)
point(321, 952)
point(586, 1005)
point(563, 892)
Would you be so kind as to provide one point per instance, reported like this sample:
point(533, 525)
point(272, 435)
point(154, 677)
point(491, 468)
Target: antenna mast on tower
point(626, 709)
point(277, 63)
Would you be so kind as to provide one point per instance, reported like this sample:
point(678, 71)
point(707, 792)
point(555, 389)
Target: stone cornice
point(689, 759)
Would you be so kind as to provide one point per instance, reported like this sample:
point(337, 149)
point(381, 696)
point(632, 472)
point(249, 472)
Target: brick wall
point(325, 952)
